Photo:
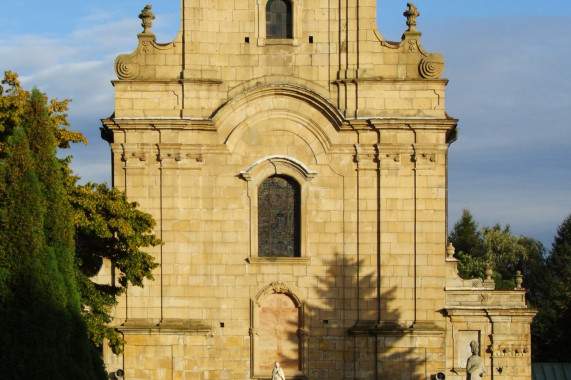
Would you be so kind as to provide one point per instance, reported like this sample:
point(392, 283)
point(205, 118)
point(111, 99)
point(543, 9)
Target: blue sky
point(507, 62)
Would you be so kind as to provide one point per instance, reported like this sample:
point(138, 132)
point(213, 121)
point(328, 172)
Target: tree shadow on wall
point(349, 332)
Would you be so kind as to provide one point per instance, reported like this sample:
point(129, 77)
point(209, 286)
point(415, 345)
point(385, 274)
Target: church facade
point(296, 165)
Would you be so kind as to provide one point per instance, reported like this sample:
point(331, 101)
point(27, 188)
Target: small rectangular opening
point(310, 39)
point(222, 324)
point(247, 40)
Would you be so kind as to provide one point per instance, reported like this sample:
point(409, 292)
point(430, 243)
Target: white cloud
point(508, 87)
point(78, 66)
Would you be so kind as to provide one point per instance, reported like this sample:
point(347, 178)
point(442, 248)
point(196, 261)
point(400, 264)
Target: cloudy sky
point(507, 62)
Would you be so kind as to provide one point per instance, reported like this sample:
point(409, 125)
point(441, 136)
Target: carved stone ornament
point(411, 14)
point(394, 157)
point(431, 66)
point(141, 156)
point(450, 250)
point(277, 288)
point(412, 46)
point(488, 271)
point(126, 68)
point(518, 279)
point(424, 159)
point(147, 18)
point(510, 350)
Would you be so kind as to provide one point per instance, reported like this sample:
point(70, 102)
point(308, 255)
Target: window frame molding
point(258, 173)
point(296, 19)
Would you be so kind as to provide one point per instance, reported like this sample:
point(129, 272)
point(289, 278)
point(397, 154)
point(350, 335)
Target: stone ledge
point(139, 325)
point(278, 260)
point(394, 329)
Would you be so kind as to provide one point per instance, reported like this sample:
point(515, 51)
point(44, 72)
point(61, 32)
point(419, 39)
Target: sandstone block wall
point(359, 124)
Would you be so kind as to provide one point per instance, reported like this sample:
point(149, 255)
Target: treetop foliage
point(13, 100)
point(497, 246)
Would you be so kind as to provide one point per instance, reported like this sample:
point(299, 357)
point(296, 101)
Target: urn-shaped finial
point(450, 251)
point(411, 14)
point(147, 18)
point(488, 271)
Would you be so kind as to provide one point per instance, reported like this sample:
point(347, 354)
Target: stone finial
point(489, 281)
point(518, 279)
point(147, 18)
point(450, 250)
point(488, 271)
point(411, 14)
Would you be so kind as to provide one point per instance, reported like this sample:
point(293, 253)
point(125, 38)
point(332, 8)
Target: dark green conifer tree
point(43, 334)
point(466, 236)
point(551, 330)
point(107, 225)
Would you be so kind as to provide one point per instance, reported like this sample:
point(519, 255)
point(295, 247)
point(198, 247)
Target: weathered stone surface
point(360, 124)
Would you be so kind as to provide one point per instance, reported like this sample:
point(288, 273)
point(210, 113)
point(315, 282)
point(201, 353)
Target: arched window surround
point(259, 172)
point(296, 16)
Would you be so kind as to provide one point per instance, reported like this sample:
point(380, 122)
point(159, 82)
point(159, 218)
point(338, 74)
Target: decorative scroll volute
point(138, 65)
point(126, 66)
point(431, 66)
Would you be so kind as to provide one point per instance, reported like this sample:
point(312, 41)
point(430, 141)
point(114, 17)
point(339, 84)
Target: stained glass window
point(279, 19)
point(279, 217)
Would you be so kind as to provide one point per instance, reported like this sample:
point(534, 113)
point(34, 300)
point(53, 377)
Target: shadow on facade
point(348, 332)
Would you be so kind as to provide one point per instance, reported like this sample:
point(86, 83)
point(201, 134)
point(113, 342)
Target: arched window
point(279, 217)
point(279, 22)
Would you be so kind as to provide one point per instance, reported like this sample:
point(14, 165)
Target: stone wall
point(359, 124)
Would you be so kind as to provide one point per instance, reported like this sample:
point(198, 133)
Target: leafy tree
point(547, 279)
point(108, 227)
point(505, 252)
point(508, 253)
point(43, 334)
point(84, 224)
point(13, 101)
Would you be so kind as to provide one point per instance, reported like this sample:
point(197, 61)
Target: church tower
point(295, 162)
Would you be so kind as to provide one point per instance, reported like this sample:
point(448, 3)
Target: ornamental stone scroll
point(431, 66)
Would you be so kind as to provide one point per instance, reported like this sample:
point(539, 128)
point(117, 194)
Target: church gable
point(225, 50)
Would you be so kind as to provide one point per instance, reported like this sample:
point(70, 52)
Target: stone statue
point(278, 372)
point(475, 365)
